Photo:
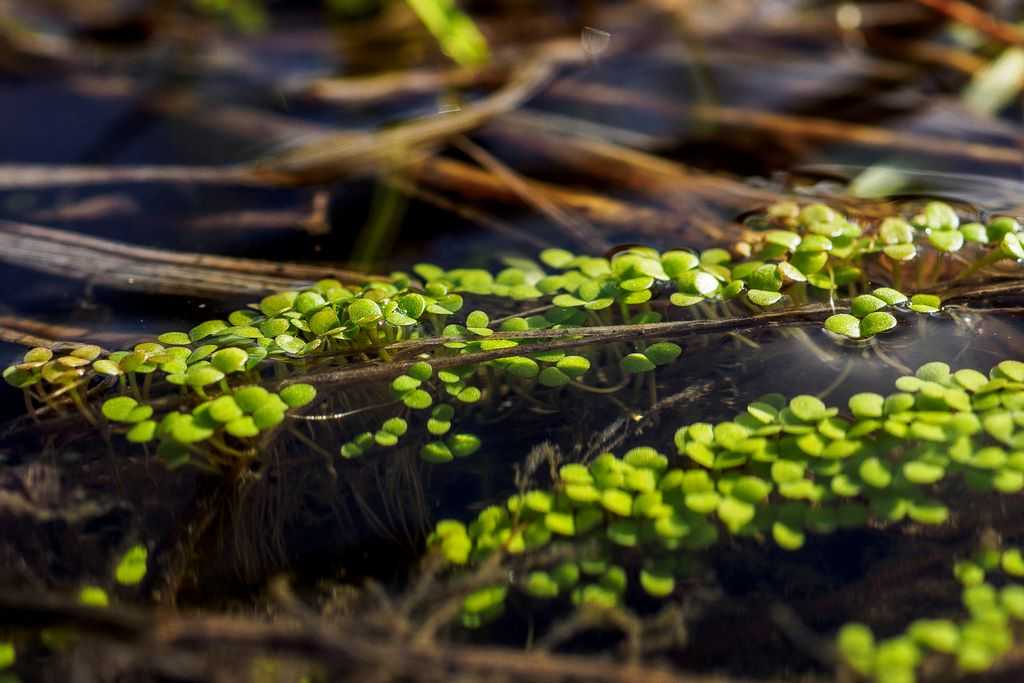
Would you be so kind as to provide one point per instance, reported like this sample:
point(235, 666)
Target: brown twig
point(582, 233)
point(134, 268)
point(568, 338)
point(789, 126)
point(470, 213)
point(968, 14)
point(346, 154)
point(344, 643)
point(29, 332)
point(452, 175)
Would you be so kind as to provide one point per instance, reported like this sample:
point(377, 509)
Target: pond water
point(167, 165)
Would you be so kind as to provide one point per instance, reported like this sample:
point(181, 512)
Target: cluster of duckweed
point(218, 433)
point(325, 320)
point(781, 469)
point(794, 253)
point(939, 226)
point(225, 413)
point(868, 317)
point(973, 645)
point(219, 364)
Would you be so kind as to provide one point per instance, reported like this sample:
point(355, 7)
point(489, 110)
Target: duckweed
point(781, 470)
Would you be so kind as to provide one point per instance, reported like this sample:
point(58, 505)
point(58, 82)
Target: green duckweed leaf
point(857, 645)
point(940, 635)
point(521, 366)
point(556, 258)
point(206, 329)
point(925, 303)
point(462, 445)
point(940, 216)
point(119, 408)
point(735, 513)
point(760, 297)
point(975, 232)
point(934, 372)
point(187, 430)
point(93, 596)
point(203, 375)
point(274, 327)
point(875, 473)
point(877, 323)
point(175, 338)
point(697, 283)
point(946, 240)
point(225, 409)
point(923, 473)
point(553, 377)
point(325, 320)
point(142, 432)
point(274, 304)
point(890, 296)
point(1012, 370)
point(865, 304)
point(683, 300)
point(403, 384)
point(900, 252)
point(866, 405)
point(676, 263)
point(657, 584)
point(290, 344)
point(436, 452)
point(242, 428)
point(636, 362)
point(298, 395)
point(417, 399)
point(251, 398)
point(1011, 247)
point(661, 353)
point(843, 324)
point(131, 569)
point(421, 371)
point(231, 359)
point(808, 408)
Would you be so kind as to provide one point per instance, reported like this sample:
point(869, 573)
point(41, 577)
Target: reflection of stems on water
point(309, 442)
point(615, 388)
point(840, 378)
point(994, 257)
point(183, 551)
point(745, 340)
point(890, 361)
point(538, 406)
point(805, 340)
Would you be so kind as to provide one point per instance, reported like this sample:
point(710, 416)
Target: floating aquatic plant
point(217, 410)
point(131, 568)
point(974, 644)
point(782, 469)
